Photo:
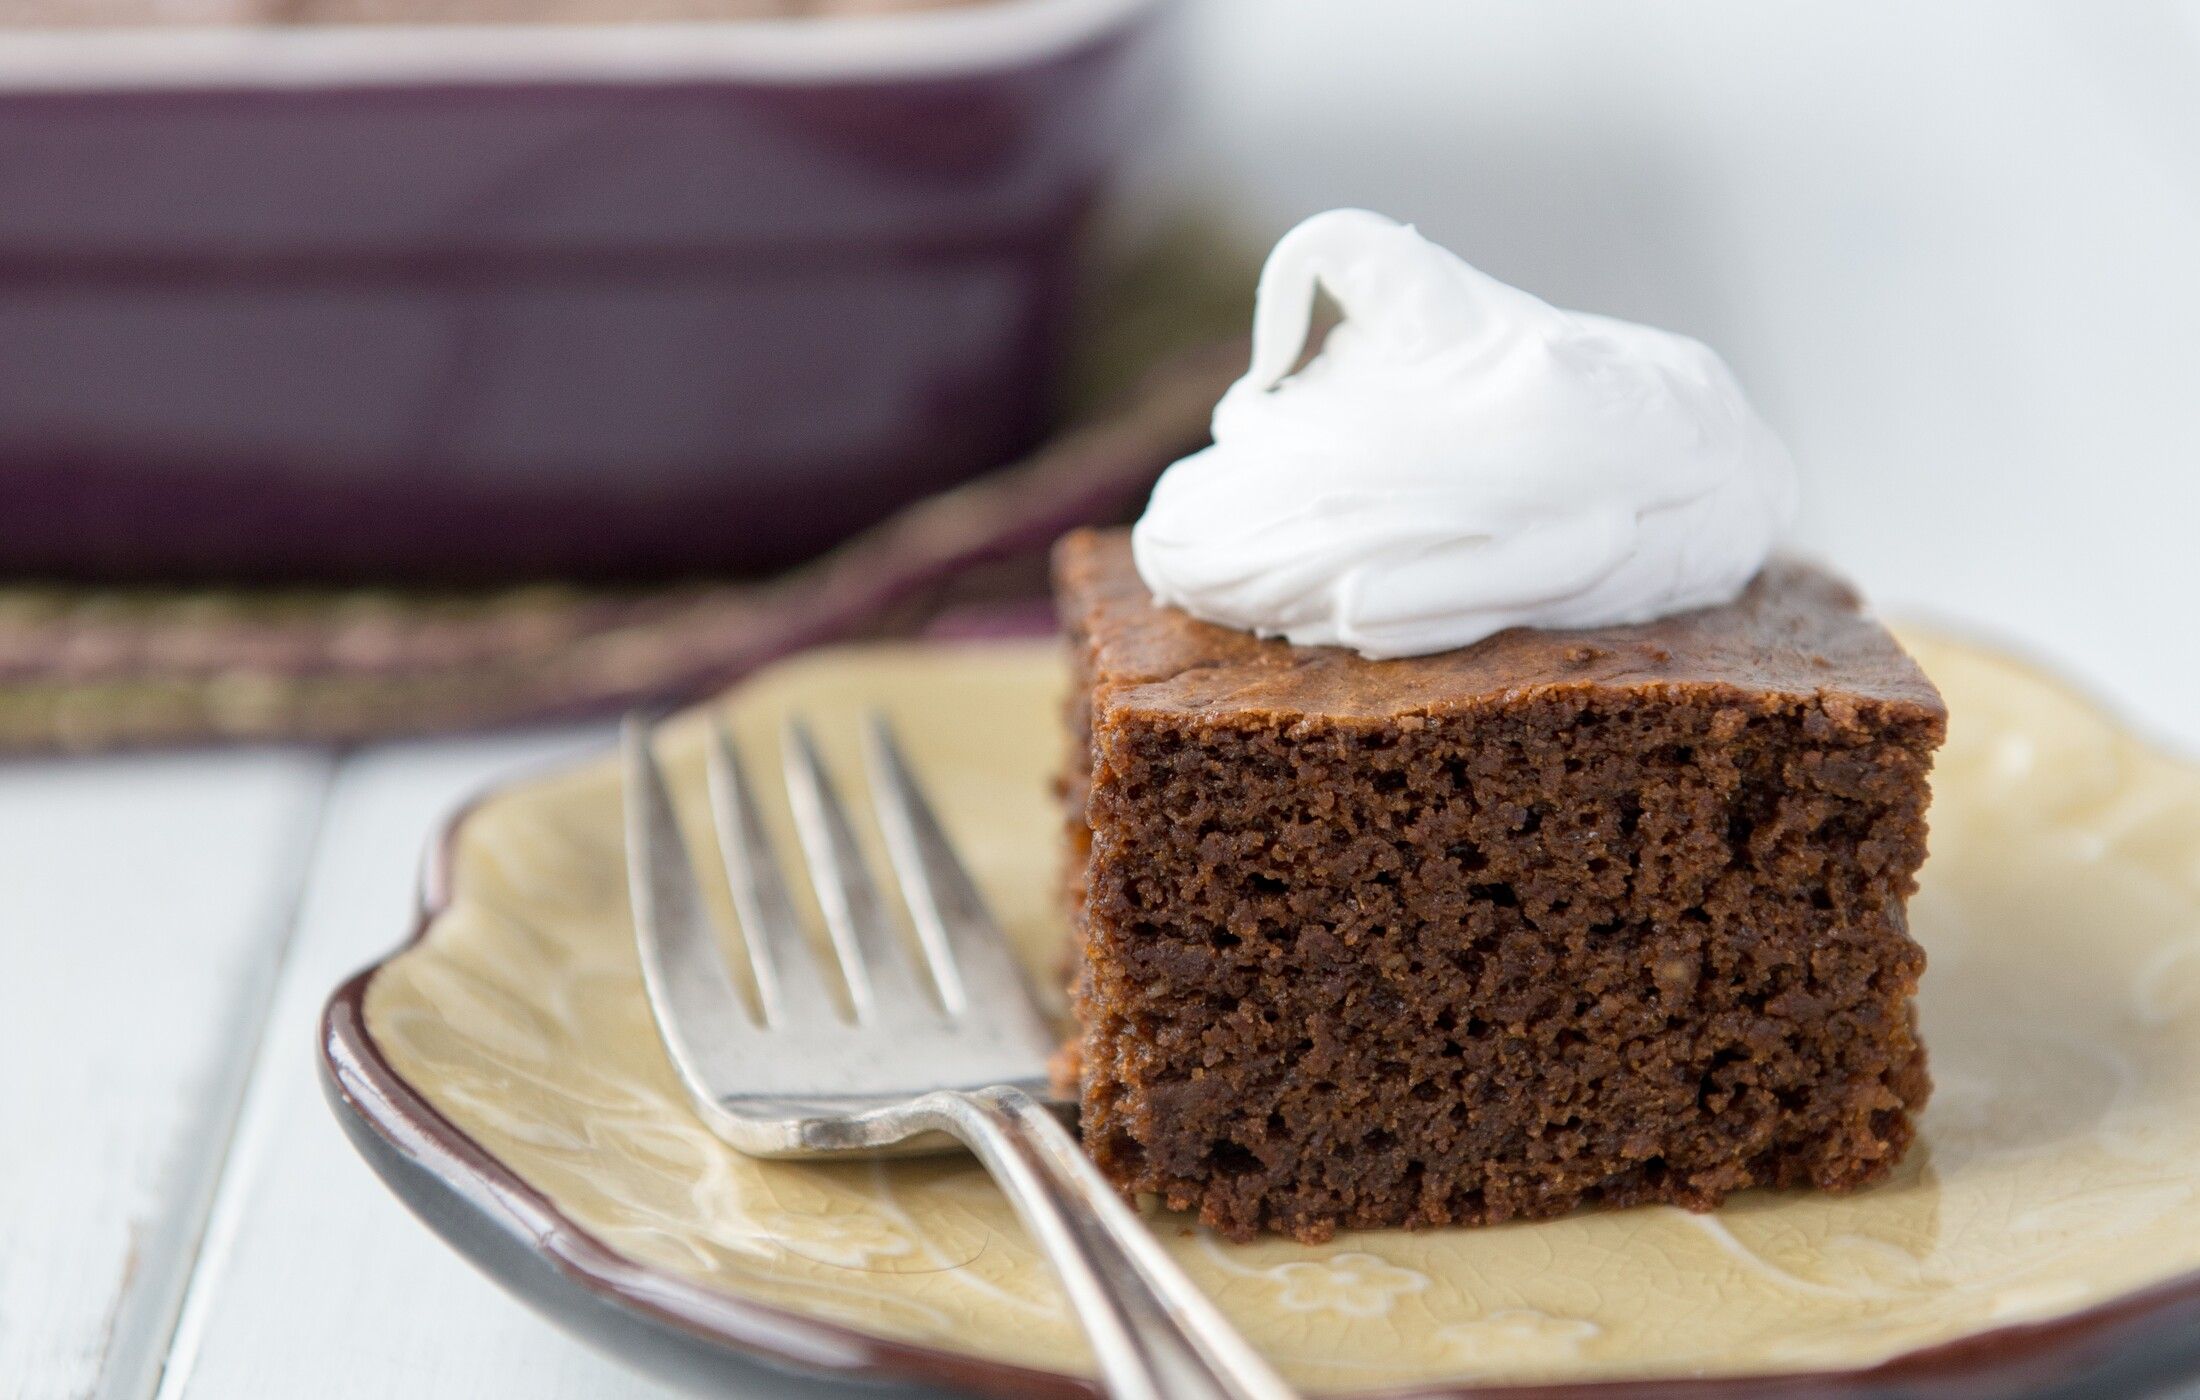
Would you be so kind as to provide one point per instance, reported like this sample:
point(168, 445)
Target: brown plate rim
point(2137, 1343)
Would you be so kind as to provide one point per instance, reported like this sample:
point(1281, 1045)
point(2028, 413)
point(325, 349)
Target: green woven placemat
point(84, 669)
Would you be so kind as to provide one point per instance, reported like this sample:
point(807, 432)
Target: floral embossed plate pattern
point(502, 1071)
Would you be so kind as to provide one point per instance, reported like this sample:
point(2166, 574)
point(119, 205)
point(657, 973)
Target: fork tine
point(970, 955)
point(691, 993)
point(788, 980)
point(881, 982)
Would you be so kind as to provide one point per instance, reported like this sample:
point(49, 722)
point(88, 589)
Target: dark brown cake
point(1605, 916)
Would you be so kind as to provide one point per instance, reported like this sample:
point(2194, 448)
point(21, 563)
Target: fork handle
point(1156, 1336)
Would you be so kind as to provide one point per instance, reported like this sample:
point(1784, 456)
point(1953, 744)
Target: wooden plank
point(143, 912)
point(314, 1280)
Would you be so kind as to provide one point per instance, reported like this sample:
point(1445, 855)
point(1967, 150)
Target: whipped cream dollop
point(1457, 459)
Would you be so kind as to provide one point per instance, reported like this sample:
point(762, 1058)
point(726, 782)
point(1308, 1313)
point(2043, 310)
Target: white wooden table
point(1949, 247)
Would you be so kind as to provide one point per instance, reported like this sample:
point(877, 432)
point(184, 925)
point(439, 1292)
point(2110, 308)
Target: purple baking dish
point(521, 300)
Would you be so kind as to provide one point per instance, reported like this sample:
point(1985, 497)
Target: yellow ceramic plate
point(502, 1070)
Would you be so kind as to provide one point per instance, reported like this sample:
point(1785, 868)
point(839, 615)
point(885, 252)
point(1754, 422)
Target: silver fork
point(917, 1067)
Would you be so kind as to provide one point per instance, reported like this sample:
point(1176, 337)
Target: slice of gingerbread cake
point(1610, 915)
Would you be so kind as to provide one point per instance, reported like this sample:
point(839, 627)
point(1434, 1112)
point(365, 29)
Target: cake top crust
point(1796, 632)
